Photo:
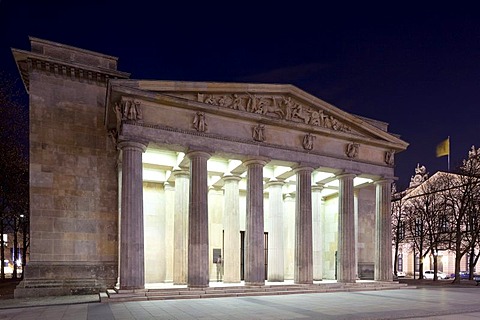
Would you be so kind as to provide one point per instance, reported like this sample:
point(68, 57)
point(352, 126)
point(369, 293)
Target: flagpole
point(448, 154)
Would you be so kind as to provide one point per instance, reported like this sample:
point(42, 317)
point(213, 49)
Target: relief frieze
point(390, 157)
point(128, 110)
point(280, 107)
point(308, 141)
point(199, 122)
point(125, 110)
point(258, 133)
point(351, 150)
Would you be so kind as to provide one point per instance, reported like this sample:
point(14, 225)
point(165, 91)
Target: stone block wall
point(73, 178)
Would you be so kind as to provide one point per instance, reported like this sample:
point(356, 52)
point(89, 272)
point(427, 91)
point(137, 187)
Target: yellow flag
point(443, 148)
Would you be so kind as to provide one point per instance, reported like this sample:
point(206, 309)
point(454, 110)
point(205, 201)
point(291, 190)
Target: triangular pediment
point(285, 103)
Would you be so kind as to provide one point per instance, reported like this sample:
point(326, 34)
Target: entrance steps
point(223, 291)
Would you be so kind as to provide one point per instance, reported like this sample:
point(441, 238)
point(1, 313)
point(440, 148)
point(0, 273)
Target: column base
point(255, 284)
point(346, 281)
point(194, 286)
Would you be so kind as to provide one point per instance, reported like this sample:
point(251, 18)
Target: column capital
point(317, 188)
point(346, 175)
point(271, 183)
point(198, 154)
point(132, 144)
point(180, 172)
point(257, 160)
point(302, 167)
point(231, 177)
point(384, 180)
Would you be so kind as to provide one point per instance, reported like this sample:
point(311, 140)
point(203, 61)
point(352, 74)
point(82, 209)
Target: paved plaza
point(412, 303)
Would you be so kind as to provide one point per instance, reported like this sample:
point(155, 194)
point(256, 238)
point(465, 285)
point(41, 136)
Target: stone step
point(242, 291)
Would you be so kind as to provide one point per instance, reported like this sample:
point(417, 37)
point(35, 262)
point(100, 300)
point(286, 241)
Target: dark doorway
point(242, 254)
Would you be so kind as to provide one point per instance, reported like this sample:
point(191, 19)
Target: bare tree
point(462, 200)
point(425, 220)
point(398, 223)
point(14, 157)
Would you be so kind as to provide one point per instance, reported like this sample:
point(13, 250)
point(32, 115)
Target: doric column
point(254, 233)
point(383, 234)
point(169, 230)
point(198, 220)
point(132, 262)
point(231, 225)
point(303, 226)
point(346, 230)
point(289, 234)
point(180, 226)
point(317, 231)
point(276, 267)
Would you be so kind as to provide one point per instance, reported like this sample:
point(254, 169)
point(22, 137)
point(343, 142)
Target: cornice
point(28, 61)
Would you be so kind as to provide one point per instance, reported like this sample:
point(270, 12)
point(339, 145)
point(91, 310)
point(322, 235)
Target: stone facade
point(136, 181)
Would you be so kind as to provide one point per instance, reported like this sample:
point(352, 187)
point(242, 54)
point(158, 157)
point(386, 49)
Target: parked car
point(401, 274)
point(462, 275)
point(476, 277)
point(428, 274)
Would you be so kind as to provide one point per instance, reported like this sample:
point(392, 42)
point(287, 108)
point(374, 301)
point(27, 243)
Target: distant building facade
point(140, 181)
point(424, 201)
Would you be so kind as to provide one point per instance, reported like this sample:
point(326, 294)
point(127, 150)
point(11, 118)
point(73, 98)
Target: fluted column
point(346, 230)
point(180, 227)
point(383, 234)
point(276, 267)
point(317, 231)
point(289, 234)
point(198, 220)
point(169, 230)
point(231, 226)
point(254, 233)
point(132, 262)
point(303, 227)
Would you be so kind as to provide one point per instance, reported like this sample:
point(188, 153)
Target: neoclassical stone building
point(136, 182)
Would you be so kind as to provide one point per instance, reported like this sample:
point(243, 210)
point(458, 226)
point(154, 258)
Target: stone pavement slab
point(422, 303)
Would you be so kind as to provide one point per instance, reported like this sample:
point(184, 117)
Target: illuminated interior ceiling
point(158, 166)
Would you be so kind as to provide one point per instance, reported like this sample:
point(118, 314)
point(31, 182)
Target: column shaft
point(254, 234)
point(346, 230)
point(289, 234)
point(383, 234)
point(231, 225)
point(180, 227)
point(276, 266)
point(198, 220)
point(132, 262)
point(303, 227)
point(317, 232)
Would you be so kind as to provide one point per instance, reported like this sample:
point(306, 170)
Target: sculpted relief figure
point(288, 103)
point(132, 110)
point(473, 152)
point(352, 150)
point(128, 110)
point(389, 157)
point(265, 107)
point(236, 103)
point(199, 122)
point(209, 99)
point(259, 133)
point(420, 176)
point(308, 141)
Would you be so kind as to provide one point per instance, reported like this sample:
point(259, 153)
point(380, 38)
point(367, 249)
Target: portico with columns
point(143, 182)
point(236, 154)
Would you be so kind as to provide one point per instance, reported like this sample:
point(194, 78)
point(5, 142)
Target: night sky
point(416, 68)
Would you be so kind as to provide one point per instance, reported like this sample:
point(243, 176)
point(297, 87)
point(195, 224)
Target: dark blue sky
point(415, 68)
